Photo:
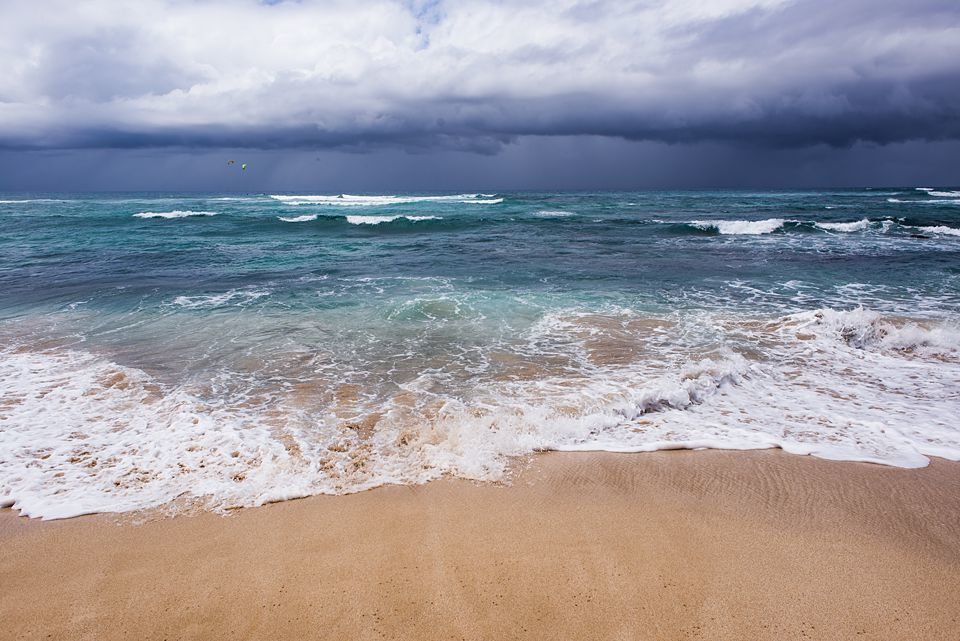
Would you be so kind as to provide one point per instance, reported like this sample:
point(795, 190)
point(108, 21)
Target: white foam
point(943, 198)
point(857, 225)
point(177, 213)
point(941, 229)
point(553, 213)
point(842, 385)
point(84, 434)
point(348, 200)
point(741, 227)
point(816, 392)
point(234, 297)
point(376, 220)
point(484, 201)
point(864, 328)
point(924, 189)
point(298, 219)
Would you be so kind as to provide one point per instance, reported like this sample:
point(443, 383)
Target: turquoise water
point(225, 350)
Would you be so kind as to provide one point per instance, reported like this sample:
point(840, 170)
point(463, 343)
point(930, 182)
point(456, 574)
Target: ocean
point(213, 351)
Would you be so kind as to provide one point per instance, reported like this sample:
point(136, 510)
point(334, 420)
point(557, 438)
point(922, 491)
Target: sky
point(413, 95)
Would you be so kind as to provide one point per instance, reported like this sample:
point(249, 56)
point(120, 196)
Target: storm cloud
point(473, 76)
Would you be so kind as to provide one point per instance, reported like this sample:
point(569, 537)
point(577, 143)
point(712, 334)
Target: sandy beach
point(668, 545)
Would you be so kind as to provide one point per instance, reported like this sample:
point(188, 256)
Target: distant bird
point(231, 162)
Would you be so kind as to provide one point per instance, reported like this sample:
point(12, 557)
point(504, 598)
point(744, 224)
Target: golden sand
point(669, 545)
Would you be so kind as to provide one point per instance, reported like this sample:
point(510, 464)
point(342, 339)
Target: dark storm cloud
point(548, 163)
point(474, 75)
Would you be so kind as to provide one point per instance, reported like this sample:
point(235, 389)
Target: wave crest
point(858, 225)
point(177, 213)
point(376, 220)
point(349, 200)
point(741, 227)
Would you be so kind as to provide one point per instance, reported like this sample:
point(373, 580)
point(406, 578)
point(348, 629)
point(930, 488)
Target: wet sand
point(669, 545)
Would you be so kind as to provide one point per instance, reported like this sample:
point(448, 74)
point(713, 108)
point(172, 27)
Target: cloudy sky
point(451, 94)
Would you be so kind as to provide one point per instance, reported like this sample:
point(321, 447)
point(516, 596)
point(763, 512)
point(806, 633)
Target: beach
point(557, 415)
point(664, 545)
point(428, 320)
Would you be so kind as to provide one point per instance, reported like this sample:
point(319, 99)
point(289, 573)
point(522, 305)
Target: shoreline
point(663, 545)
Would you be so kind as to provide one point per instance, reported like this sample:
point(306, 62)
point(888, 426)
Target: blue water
point(236, 349)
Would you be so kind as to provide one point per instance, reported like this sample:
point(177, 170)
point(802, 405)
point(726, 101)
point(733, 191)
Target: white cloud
point(328, 73)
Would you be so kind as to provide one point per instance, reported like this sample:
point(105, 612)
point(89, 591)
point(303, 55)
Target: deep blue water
point(641, 246)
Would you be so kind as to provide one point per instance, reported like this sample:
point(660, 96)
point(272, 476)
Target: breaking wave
point(738, 227)
point(857, 225)
point(86, 434)
point(376, 220)
point(177, 213)
point(348, 200)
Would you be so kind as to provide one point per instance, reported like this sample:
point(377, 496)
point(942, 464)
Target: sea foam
point(177, 213)
point(741, 227)
point(376, 220)
point(232, 297)
point(857, 225)
point(86, 434)
point(941, 229)
point(348, 200)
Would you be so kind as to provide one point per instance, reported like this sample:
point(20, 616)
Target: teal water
point(224, 350)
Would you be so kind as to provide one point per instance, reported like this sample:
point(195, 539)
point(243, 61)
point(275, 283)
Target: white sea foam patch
point(848, 385)
point(79, 433)
point(484, 201)
point(177, 213)
point(741, 227)
point(839, 385)
point(930, 201)
point(232, 297)
point(298, 219)
point(857, 225)
point(944, 194)
point(553, 213)
point(348, 200)
point(376, 220)
point(941, 229)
